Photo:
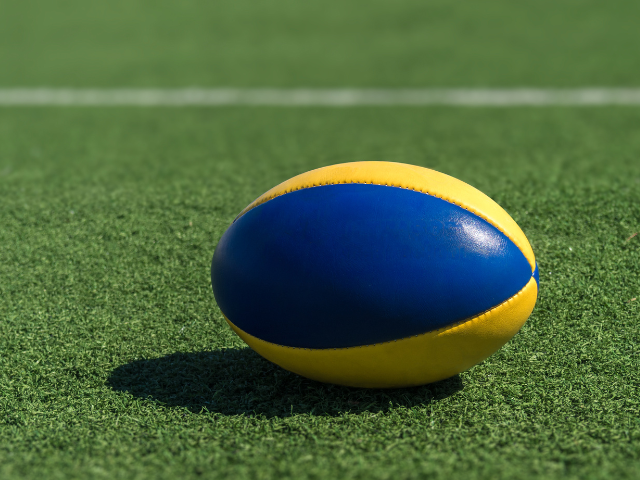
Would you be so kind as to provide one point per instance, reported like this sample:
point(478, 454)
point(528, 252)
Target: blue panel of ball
point(357, 264)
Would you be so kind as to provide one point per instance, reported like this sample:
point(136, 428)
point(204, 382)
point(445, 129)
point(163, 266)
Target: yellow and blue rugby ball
point(375, 274)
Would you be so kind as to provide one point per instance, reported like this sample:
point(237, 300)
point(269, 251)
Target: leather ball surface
point(375, 274)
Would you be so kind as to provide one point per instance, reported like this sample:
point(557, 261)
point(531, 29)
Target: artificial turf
point(115, 361)
point(319, 43)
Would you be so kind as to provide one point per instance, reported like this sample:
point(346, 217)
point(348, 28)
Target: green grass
point(319, 43)
point(115, 361)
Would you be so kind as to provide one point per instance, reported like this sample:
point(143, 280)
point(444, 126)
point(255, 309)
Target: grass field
point(115, 361)
point(319, 43)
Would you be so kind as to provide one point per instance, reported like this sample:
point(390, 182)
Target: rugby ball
point(374, 274)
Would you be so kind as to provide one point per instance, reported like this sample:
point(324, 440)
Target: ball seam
point(437, 331)
point(448, 200)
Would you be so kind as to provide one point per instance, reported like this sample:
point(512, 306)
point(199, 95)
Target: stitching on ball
point(438, 330)
point(448, 200)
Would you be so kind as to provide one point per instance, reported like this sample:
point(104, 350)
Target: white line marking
point(341, 97)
